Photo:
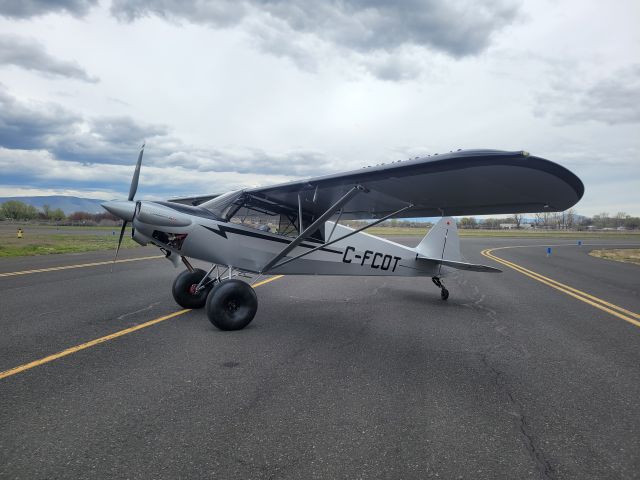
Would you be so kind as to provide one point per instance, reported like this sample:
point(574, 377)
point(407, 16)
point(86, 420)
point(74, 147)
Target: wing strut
point(334, 225)
point(300, 227)
point(312, 228)
point(369, 225)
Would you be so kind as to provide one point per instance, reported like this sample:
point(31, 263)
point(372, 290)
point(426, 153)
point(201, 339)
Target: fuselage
point(195, 233)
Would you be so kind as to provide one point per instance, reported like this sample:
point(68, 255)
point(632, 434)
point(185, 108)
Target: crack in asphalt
point(542, 464)
point(148, 307)
point(500, 381)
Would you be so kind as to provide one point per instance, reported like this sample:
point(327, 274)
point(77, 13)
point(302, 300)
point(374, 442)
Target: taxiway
point(336, 377)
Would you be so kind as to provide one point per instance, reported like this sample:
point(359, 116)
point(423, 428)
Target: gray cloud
point(397, 66)
point(124, 130)
point(293, 28)
point(612, 100)
point(46, 126)
point(31, 126)
point(455, 28)
point(249, 160)
point(33, 8)
point(219, 13)
point(105, 140)
point(115, 141)
point(31, 55)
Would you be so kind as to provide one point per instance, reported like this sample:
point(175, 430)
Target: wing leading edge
point(471, 182)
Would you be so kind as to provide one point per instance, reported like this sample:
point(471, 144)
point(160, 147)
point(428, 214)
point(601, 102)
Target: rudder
point(441, 242)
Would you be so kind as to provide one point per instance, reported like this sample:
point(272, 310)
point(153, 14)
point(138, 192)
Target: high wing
point(470, 182)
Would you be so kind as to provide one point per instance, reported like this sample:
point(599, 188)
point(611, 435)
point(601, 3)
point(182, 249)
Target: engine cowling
point(140, 238)
point(161, 216)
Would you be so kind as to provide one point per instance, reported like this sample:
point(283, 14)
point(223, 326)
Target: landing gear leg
point(444, 293)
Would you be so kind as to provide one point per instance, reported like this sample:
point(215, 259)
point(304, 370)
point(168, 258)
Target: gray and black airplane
point(293, 228)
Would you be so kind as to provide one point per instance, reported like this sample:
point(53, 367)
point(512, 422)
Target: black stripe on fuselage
point(204, 213)
point(223, 229)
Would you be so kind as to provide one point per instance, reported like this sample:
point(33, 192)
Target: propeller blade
point(136, 176)
point(124, 226)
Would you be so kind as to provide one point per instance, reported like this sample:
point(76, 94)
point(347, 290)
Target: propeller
point(132, 193)
point(136, 176)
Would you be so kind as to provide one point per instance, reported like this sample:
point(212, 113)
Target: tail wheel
point(231, 305)
point(184, 289)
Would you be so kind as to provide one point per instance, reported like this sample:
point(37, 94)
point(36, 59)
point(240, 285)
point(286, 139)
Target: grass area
point(628, 255)
point(44, 244)
point(396, 231)
point(76, 227)
point(45, 226)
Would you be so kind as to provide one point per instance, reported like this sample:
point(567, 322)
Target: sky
point(238, 93)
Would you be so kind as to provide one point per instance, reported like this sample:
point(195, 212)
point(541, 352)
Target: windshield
point(220, 205)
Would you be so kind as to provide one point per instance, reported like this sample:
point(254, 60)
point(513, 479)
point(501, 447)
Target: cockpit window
point(259, 213)
point(223, 205)
point(266, 220)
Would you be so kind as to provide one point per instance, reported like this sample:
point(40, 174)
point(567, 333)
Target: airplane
point(294, 228)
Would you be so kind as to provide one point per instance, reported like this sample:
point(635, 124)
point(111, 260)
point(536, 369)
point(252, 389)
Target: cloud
point(33, 8)
point(457, 28)
point(31, 55)
point(297, 163)
point(217, 13)
point(404, 64)
point(48, 126)
point(44, 171)
point(113, 140)
point(43, 142)
point(31, 125)
point(298, 29)
point(14, 191)
point(613, 100)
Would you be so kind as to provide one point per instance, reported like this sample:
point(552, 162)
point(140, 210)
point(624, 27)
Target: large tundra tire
point(184, 287)
point(232, 304)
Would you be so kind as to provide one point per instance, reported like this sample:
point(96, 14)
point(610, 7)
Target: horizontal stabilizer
point(472, 267)
point(441, 246)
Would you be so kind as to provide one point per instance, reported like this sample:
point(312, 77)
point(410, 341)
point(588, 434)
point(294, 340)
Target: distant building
point(513, 226)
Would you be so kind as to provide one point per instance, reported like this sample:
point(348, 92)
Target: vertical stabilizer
point(441, 242)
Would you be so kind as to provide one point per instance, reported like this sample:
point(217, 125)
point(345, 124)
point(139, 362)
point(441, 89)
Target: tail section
point(441, 242)
point(441, 245)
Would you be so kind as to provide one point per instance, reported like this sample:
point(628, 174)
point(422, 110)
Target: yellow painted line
point(80, 265)
point(568, 292)
point(270, 279)
point(84, 346)
point(562, 285)
point(592, 300)
point(97, 341)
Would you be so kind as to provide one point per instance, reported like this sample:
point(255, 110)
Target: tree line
point(567, 220)
point(20, 211)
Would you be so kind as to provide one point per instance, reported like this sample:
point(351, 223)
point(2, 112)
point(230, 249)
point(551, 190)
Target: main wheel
point(444, 293)
point(232, 304)
point(184, 288)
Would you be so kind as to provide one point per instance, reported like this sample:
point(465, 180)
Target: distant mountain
point(67, 204)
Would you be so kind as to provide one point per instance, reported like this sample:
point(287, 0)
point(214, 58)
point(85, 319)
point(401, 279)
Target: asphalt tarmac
point(336, 377)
